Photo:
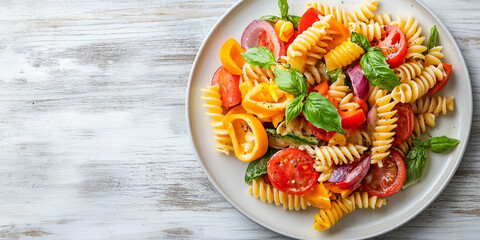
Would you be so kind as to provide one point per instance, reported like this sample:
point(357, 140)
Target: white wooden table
point(93, 138)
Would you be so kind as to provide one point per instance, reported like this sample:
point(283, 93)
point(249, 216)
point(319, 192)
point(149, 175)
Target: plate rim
point(279, 231)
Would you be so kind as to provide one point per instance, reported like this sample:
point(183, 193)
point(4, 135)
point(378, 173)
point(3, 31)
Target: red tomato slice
point(362, 104)
point(352, 119)
point(404, 123)
point(266, 40)
point(441, 84)
point(320, 133)
point(394, 46)
point(308, 18)
point(388, 179)
point(291, 171)
point(229, 87)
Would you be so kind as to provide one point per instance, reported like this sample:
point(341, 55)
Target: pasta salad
point(328, 108)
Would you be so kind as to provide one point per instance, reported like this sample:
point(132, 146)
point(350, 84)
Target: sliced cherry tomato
point(229, 87)
point(291, 171)
point(320, 133)
point(333, 101)
point(387, 180)
point(308, 18)
point(266, 40)
point(441, 84)
point(394, 46)
point(231, 58)
point(322, 88)
point(405, 123)
point(352, 119)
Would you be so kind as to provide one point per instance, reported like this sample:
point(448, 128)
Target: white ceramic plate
point(227, 173)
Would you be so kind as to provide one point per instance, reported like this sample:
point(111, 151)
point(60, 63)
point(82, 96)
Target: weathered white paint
point(93, 135)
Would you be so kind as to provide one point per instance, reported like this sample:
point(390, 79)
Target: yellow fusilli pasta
point(384, 130)
point(267, 193)
point(343, 55)
point(384, 19)
point(214, 109)
point(326, 156)
point(433, 104)
point(347, 103)
point(307, 41)
point(413, 35)
point(412, 90)
point(365, 12)
point(284, 29)
point(408, 70)
point(315, 74)
point(256, 75)
point(363, 200)
point(373, 30)
point(434, 56)
point(297, 126)
point(338, 90)
point(340, 15)
point(359, 137)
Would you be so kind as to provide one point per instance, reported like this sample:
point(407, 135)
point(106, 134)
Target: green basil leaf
point(416, 161)
point(361, 41)
point(417, 142)
point(441, 144)
point(321, 113)
point(259, 57)
point(258, 167)
point(294, 19)
point(270, 18)
point(334, 74)
point(294, 108)
point(377, 71)
point(283, 5)
point(432, 39)
point(291, 82)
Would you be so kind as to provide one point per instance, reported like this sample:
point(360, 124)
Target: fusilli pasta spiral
point(434, 56)
point(267, 193)
point(343, 55)
point(383, 135)
point(363, 200)
point(340, 15)
point(433, 104)
point(326, 156)
point(372, 30)
point(413, 35)
point(256, 75)
point(315, 74)
point(284, 29)
point(214, 109)
point(307, 41)
point(412, 90)
point(365, 12)
point(338, 90)
point(408, 70)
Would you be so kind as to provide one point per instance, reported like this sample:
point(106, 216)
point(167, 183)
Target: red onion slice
point(359, 81)
point(252, 37)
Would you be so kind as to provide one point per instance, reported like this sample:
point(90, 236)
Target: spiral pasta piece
point(328, 217)
point(213, 105)
point(267, 193)
point(347, 103)
point(315, 74)
point(338, 90)
point(408, 70)
point(343, 55)
point(325, 175)
point(363, 200)
point(414, 39)
point(365, 12)
point(284, 30)
point(433, 104)
point(256, 75)
point(340, 15)
point(297, 126)
point(434, 56)
point(384, 19)
point(412, 90)
point(373, 30)
point(359, 137)
point(326, 156)
point(384, 130)
point(307, 41)
point(374, 93)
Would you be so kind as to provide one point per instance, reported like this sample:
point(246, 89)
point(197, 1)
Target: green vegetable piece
point(432, 39)
point(276, 140)
point(440, 144)
point(361, 41)
point(283, 5)
point(322, 114)
point(259, 57)
point(334, 74)
point(259, 167)
point(377, 71)
point(294, 108)
point(294, 19)
point(270, 18)
point(291, 82)
point(416, 161)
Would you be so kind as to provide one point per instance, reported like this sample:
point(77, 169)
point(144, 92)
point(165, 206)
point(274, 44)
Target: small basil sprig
point(316, 108)
point(416, 158)
point(432, 39)
point(374, 64)
point(259, 167)
point(259, 57)
point(283, 6)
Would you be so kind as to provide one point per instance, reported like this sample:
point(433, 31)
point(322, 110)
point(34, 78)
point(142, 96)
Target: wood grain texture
point(93, 132)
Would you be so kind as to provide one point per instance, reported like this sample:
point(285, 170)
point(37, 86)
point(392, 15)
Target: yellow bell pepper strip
point(332, 187)
point(231, 58)
point(284, 30)
point(248, 135)
point(260, 102)
point(319, 197)
point(236, 110)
